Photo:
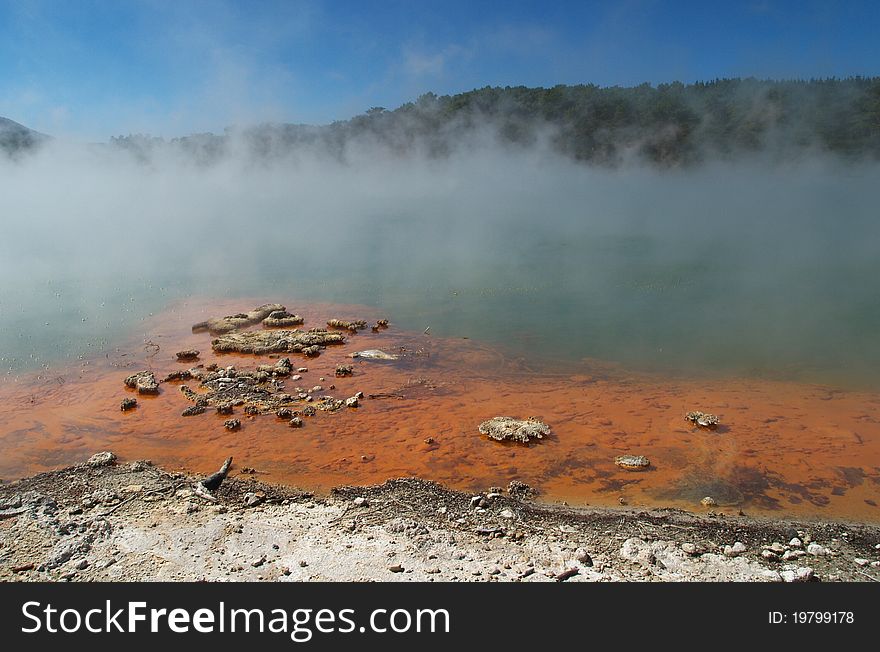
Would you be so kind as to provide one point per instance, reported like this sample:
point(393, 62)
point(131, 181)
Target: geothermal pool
point(784, 447)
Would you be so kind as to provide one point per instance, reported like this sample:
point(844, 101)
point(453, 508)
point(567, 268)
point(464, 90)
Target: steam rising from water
point(745, 268)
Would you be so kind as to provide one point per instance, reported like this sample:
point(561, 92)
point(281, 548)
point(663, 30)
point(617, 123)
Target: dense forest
point(668, 124)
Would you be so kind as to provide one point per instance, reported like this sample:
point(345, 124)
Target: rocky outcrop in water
point(282, 319)
point(217, 325)
point(517, 430)
point(632, 462)
point(280, 341)
point(144, 382)
point(187, 355)
point(353, 326)
point(373, 354)
point(702, 419)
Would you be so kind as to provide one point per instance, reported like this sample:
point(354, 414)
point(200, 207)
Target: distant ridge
point(15, 137)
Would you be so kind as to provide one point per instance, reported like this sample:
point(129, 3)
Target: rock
point(282, 319)
point(296, 422)
point(517, 430)
point(187, 354)
point(232, 424)
point(583, 557)
point(566, 574)
point(795, 543)
point(128, 404)
point(276, 341)
point(303, 564)
point(282, 367)
point(769, 555)
point(816, 550)
point(373, 354)
point(82, 564)
point(193, 410)
point(689, 549)
point(352, 402)
point(232, 322)
point(144, 382)
point(735, 550)
point(632, 462)
point(793, 554)
point(360, 501)
point(803, 574)
point(506, 513)
point(861, 562)
point(254, 498)
point(225, 408)
point(344, 370)
point(185, 374)
point(708, 501)
point(702, 419)
point(637, 550)
point(104, 458)
point(520, 490)
point(777, 547)
point(396, 568)
point(352, 326)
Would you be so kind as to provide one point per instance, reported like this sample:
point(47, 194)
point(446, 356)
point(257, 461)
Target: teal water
point(731, 270)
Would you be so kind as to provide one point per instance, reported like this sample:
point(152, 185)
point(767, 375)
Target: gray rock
point(104, 458)
point(816, 550)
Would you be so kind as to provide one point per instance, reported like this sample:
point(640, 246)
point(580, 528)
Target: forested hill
point(16, 138)
point(666, 125)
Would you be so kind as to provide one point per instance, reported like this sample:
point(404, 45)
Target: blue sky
point(92, 68)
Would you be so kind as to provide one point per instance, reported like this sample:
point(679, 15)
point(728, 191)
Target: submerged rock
point(187, 354)
point(632, 462)
point(510, 429)
point(232, 424)
point(282, 319)
point(240, 320)
point(280, 341)
point(702, 419)
point(344, 370)
point(144, 382)
point(128, 404)
point(373, 354)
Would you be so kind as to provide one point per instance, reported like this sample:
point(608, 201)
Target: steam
point(745, 266)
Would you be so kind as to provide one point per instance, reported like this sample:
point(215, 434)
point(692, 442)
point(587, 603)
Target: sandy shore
point(135, 522)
